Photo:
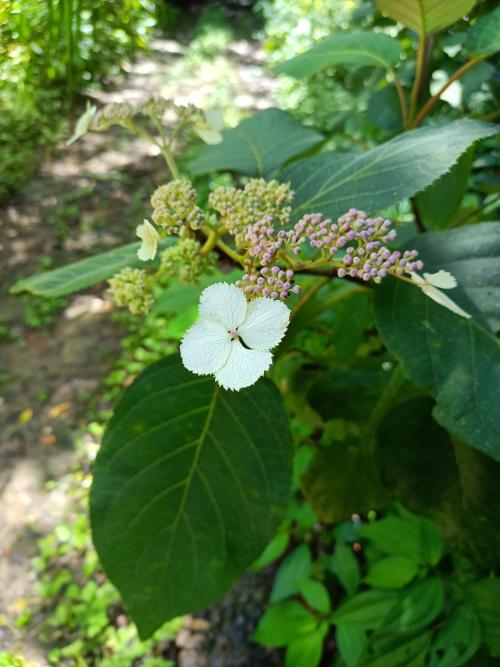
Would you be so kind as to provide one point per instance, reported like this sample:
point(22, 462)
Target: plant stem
point(419, 75)
point(475, 211)
point(418, 220)
point(211, 241)
point(490, 116)
point(402, 98)
point(432, 101)
point(239, 259)
point(166, 152)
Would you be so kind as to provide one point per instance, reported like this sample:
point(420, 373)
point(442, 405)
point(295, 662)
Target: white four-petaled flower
point(429, 284)
point(150, 237)
point(209, 130)
point(233, 337)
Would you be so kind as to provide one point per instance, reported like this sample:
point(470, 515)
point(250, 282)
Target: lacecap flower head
point(233, 337)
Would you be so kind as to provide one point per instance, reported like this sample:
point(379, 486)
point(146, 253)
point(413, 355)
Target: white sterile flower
point(150, 237)
point(83, 123)
point(210, 129)
point(429, 284)
point(233, 337)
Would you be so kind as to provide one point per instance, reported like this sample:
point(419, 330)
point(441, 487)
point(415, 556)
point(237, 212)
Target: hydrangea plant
point(300, 278)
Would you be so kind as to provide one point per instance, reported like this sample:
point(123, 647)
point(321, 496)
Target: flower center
point(233, 333)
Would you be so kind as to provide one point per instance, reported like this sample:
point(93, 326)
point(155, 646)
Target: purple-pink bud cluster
point(362, 239)
point(272, 282)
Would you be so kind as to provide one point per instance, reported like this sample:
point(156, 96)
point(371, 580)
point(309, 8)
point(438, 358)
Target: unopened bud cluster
point(259, 201)
point(184, 262)
point(131, 289)
point(272, 282)
point(362, 240)
point(116, 113)
point(174, 205)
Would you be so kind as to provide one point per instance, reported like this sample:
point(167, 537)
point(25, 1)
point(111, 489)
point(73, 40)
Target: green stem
point(211, 240)
point(227, 250)
point(166, 152)
point(475, 211)
point(402, 98)
point(419, 75)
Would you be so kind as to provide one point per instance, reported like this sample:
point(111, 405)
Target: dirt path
point(88, 197)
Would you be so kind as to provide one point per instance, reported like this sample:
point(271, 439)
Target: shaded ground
point(89, 197)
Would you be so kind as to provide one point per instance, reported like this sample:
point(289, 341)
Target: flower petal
point(443, 300)
point(209, 135)
point(441, 279)
point(205, 348)
point(214, 119)
point(150, 238)
point(265, 323)
point(223, 303)
point(243, 367)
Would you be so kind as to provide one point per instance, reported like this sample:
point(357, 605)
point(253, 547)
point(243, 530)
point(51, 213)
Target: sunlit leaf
point(331, 183)
point(86, 272)
point(426, 16)
point(352, 49)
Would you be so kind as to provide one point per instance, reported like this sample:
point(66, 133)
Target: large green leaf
point(341, 481)
point(426, 16)
point(257, 146)
point(439, 202)
point(84, 273)
point(458, 358)
point(484, 36)
point(331, 183)
point(189, 486)
point(352, 49)
point(457, 485)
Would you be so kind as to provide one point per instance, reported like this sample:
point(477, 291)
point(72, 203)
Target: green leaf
point(276, 548)
point(368, 610)
point(331, 183)
point(315, 594)
point(284, 622)
point(417, 606)
point(458, 358)
point(398, 651)
point(483, 38)
point(345, 567)
point(342, 480)
point(458, 640)
point(351, 642)
point(306, 650)
point(455, 484)
point(295, 568)
point(440, 201)
point(257, 146)
point(384, 110)
point(189, 485)
point(411, 536)
point(484, 597)
point(392, 572)
point(426, 16)
point(351, 49)
point(86, 272)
